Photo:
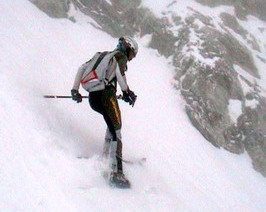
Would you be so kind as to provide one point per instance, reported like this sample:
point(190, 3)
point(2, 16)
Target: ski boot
point(118, 180)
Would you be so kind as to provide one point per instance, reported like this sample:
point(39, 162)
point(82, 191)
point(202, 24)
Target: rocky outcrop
point(208, 82)
point(211, 64)
point(53, 8)
point(243, 8)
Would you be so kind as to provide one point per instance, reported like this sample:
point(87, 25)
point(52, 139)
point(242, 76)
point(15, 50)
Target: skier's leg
point(117, 177)
point(116, 153)
point(112, 117)
point(107, 142)
point(108, 107)
point(115, 144)
point(95, 100)
point(105, 103)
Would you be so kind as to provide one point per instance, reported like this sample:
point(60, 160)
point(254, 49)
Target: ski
point(139, 161)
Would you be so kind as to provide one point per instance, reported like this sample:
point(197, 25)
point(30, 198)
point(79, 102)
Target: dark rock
point(255, 146)
point(163, 41)
point(233, 140)
point(199, 124)
point(231, 22)
point(53, 8)
point(242, 7)
point(248, 121)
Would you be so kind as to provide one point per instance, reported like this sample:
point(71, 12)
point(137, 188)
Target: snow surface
point(235, 109)
point(42, 140)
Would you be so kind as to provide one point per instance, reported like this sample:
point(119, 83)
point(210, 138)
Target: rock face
point(214, 60)
point(53, 8)
point(242, 7)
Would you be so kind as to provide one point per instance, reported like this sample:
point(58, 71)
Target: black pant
point(105, 103)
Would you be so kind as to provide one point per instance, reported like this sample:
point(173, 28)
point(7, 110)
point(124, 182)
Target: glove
point(76, 96)
point(130, 97)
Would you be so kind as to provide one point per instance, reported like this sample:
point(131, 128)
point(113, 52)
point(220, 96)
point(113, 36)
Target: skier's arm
point(121, 79)
point(78, 77)
point(120, 71)
point(76, 96)
point(128, 95)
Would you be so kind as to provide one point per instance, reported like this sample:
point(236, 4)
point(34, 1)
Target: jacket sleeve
point(78, 77)
point(120, 71)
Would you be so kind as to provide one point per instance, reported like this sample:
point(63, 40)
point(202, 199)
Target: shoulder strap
point(99, 60)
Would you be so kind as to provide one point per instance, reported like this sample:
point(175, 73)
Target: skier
point(103, 100)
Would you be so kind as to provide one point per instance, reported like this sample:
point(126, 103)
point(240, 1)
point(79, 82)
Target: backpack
point(95, 71)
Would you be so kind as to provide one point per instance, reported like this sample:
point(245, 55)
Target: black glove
point(76, 96)
point(130, 97)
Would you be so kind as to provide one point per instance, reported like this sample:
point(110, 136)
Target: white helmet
point(127, 44)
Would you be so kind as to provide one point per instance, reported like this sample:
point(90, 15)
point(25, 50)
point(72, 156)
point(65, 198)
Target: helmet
point(129, 46)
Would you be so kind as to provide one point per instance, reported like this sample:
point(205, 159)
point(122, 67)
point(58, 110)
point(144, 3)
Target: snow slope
point(42, 140)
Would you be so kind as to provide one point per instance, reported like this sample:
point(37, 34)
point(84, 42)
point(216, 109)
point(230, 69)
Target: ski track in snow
point(42, 140)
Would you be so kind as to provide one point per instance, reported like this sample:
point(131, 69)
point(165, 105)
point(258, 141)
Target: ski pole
point(69, 97)
point(61, 97)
